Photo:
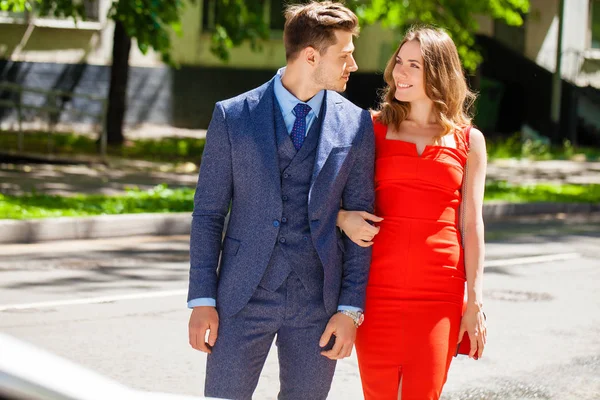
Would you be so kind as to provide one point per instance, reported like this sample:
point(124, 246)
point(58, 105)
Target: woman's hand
point(473, 322)
point(355, 226)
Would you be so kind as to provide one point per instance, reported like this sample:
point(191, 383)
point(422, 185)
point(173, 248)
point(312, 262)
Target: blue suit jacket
point(240, 174)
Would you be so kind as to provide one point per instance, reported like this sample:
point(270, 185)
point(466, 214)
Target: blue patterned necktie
point(298, 134)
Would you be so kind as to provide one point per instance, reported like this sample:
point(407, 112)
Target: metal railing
point(52, 109)
point(573, 62)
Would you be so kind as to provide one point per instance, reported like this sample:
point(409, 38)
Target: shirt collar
point(288, 101)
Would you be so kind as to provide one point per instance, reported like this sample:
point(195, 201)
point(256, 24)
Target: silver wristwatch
point(357, 316)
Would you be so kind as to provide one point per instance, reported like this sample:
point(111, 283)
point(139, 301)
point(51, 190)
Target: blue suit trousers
point(297, 319)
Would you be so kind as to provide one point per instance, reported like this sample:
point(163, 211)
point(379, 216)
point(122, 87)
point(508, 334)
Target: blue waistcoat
point(294, 250)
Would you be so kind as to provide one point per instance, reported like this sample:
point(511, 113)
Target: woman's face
point(409, 74)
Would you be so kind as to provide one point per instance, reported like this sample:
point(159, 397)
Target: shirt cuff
point(349, 308)
point(203, 301)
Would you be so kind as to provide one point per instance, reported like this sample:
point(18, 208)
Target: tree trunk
point(117, 95)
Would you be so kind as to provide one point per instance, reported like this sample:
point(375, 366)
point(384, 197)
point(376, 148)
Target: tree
point(237, 21)
point(150, 23)
point(456, 16)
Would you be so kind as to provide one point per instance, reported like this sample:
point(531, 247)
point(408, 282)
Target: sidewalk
point(65, 180)
point(120, 174)
point(552, 171)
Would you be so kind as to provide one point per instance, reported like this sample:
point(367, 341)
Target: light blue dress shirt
point(287, 101)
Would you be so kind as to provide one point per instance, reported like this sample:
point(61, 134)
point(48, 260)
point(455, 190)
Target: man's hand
point(203, 318)
point(342, 327)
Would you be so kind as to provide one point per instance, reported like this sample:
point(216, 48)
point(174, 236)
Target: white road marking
point(181, 292)
point(92, 300)
point(532, 260)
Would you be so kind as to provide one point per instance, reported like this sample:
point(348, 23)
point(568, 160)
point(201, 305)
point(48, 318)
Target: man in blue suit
point(282, 159)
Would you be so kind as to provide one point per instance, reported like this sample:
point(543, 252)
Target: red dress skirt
point(417, 277)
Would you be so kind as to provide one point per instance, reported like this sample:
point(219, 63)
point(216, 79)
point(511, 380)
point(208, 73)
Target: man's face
point(336, 63)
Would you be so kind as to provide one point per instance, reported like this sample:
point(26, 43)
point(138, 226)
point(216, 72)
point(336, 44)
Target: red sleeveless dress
point(417, 277)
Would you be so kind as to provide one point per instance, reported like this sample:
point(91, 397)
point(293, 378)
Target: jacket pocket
point(341, 150)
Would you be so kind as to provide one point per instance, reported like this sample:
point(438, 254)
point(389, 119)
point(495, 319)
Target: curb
point(163, 224)
point(97, 227)
point(494, 211)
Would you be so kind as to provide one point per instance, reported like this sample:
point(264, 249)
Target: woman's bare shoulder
point(477, 142)
point(476, 137)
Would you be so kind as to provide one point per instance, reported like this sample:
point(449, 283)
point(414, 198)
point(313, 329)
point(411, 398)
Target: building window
point(91, 7)
point(276, 19)
point(16, 15)
point(92, 10)
point(595, 24)
point(209, 14)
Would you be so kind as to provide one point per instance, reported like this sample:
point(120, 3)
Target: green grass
point(164, 149)
point(159, 199)
point(502, 191)
point(163, 199)
point(190, 150)
point(515, 147)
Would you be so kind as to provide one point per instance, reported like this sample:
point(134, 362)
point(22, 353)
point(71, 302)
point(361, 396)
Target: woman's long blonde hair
point(445, 83)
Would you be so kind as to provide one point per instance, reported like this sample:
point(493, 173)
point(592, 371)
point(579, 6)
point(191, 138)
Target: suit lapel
point(330, 132)
point(284, 142)
point(262, 121)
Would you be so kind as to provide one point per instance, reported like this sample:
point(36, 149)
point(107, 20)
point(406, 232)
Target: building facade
point(59, 54)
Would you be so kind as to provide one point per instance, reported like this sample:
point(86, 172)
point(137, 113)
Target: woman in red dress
point(424, 140)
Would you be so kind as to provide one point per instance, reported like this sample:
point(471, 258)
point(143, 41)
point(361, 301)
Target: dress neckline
point(414, 145)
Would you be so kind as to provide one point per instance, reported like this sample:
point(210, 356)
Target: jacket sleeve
point(359, 194)
point(211, 203)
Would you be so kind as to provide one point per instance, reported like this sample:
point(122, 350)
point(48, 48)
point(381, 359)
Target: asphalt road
point(118, 307)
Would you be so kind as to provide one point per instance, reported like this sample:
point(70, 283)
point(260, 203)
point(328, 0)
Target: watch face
point(361, 319)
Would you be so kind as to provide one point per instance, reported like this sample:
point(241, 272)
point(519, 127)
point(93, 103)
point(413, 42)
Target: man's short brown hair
point(314, 24)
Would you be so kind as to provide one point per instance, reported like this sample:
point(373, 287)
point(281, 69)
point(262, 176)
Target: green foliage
point(517, 148)
point(235, 22)
point(57, 8)
point(504, 148)
point(147, 21)
point(456, 16)
point(61, 8)
point(159, 199)
point(172, 149)
point(595, 24)
point(166, 149)
point(536, 150)
point(240, 20)
point(16, 6)
point(503, 191)
point(568, 149)
point(150, 21)
point(163, 199)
